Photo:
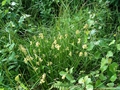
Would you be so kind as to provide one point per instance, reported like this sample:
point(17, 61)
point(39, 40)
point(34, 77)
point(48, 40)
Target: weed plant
point(80, 51)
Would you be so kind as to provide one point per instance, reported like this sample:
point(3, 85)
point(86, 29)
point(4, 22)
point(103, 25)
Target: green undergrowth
point(78, 50)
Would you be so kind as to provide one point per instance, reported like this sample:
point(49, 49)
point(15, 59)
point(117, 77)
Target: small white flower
point(26, 16)
point(13, 3)
point(42, 81)
point(49, 63)
point(92, 15)
point(84, 46)
point(70, 53)
point(37, 44)
point(63, 77)
point(43, 76)
point(41, 35)
point(77, 32)
point(99, 27)
point(85, 54)
point(89, 12)
point(79, 40)
point(67, 48)
point(80, 54)
point(57, 46)
point(93, 32)
point(97, 42)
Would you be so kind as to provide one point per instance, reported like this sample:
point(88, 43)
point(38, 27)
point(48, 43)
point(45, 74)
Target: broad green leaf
point(4, 2)
point(81, 81)
point(85, 38)
point(113, 42)
point(70, 78)
point(6, 11)
point(118, 28)
point(109, 60)
point(109, 54)
point(113, 67)
point(87, 80)
point(21, 19)
point(110, 84)
point(103, 68)
point(103, 62)
point(113, 78)
point(90, 46)
point(17, 78)
point(11, 46)
point(12, 56)
point(102, 77)
point(89, 87)
point(2, 89)
point(118, 47)
point(8, 1)
point(103, 43)
point(71, 70)
point(63, 73)
point(117, 88)
point(97, 55)
point(98, 83)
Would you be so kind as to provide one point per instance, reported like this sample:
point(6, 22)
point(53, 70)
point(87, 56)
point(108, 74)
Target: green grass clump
point(78, 50)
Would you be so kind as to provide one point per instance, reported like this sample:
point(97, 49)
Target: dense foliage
point(59, 44)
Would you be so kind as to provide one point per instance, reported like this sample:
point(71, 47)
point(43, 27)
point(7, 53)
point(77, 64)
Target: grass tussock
point(77, 48)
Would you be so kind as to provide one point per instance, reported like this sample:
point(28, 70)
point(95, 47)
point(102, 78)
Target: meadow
point(59, 45)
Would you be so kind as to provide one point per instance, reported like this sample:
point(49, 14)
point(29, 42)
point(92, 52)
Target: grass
point(78, 51)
